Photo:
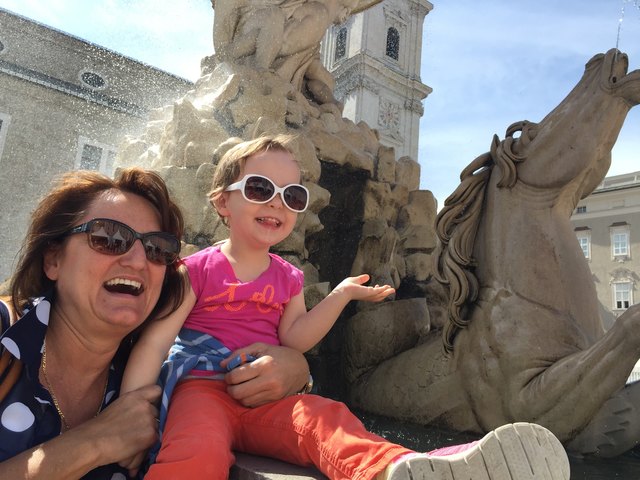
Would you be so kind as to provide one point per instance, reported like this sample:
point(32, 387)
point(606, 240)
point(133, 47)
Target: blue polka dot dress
point(27, 414)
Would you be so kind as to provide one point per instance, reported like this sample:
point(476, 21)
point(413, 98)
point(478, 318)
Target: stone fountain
point(366, 213)
point(490, 323)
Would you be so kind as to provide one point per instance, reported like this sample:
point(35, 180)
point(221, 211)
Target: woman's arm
point(123, 429)
point(145, 361)
point(278, 372)
point(302, 330)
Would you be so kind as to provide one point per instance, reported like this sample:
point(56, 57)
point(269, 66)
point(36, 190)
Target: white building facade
point(607, 225)
point(65, 104)
point(375, 57)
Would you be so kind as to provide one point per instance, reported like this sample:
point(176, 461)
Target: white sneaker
point(519, 451)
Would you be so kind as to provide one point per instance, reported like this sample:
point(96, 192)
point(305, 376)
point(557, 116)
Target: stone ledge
point(250, 467)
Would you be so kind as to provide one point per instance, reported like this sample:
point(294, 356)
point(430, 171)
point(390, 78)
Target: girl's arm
point(302, 330)
point(151, 349)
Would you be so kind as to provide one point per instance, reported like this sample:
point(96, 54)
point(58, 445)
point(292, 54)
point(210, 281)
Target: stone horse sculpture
point(524, 341)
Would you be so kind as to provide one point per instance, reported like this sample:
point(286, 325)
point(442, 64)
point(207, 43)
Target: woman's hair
point(66, 203)
point(232, 163)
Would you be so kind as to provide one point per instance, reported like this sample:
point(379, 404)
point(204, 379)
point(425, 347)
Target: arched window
point(341, 44)
point(393, 43)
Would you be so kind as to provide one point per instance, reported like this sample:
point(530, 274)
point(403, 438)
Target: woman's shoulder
point(5, 314)
point(7, 317)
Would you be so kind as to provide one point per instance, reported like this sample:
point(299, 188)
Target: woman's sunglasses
point(115, 238)
point(259, 189)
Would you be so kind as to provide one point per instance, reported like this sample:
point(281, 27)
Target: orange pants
point(204, 424)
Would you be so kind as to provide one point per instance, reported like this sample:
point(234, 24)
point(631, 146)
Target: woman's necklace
point(43, 365)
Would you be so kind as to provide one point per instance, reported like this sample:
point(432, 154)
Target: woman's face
point(107, 295)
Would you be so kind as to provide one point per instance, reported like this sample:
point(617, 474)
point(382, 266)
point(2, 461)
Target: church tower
point(375, 59)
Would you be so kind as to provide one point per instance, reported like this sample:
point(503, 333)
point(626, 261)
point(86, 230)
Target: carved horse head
point(566, 156)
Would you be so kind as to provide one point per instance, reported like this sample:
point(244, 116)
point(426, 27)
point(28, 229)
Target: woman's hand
point(129, 427)
point(276, 373)
point(121, 432)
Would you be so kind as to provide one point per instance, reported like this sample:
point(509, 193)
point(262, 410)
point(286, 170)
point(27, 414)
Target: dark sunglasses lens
point(110, 237)
point(258, 189)
point(161, 249)
point(295, 197)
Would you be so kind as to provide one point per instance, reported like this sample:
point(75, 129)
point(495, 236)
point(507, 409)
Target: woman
point(95, 286)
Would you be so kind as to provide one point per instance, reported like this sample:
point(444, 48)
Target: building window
point(393, 43)
point(581, 209)
point(585, 244)
point(93, 80)
point(622, 295)
point(95, 156)
point(4, 127)
point(341, 44)
point(620, 242)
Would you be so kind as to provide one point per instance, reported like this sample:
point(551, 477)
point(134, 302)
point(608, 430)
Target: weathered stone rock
point(332, 148)
point(330, 123)
point(223, 148)
point(386, 329)
point(180, 179)
point(311, 274)
point(252, 467)
point(418, 238)
point(378, 201)
point(131, 151)
point(305, 153)
point(408, 173)
point(420, 210)
point(315, 293)
point(255, 104)
point(400, 197)
point(376, 252)
point(386, 165)
point(370, 137)
point(219, 90)
point(419, 266)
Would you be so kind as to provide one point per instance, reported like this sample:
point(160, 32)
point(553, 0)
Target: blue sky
point(489, 63)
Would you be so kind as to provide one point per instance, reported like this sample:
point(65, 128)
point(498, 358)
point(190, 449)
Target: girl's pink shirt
point(234, 312)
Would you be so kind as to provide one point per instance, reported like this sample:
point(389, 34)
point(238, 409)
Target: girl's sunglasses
point(115, 238)
point(259, 189)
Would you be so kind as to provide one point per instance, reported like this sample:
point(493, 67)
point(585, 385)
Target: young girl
point(240, 294)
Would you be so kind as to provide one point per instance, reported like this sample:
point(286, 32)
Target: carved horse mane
point(457, 226)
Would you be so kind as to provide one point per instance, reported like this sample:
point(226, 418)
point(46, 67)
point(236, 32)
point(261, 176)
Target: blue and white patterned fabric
point(27, 414)
point(192, 350)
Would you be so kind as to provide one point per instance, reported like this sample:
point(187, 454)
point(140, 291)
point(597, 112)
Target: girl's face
point(260, 226)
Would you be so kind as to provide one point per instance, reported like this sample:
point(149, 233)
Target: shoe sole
point(519, 451)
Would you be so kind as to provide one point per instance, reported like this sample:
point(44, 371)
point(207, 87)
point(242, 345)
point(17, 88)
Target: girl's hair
point(61, 209)
point(232, 163)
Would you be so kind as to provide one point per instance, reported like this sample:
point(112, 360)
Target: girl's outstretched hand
point(355, 289)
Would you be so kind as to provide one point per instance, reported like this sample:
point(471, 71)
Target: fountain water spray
point(635, 3)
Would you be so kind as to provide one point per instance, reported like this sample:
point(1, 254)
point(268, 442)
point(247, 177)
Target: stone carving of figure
point(281, 35)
